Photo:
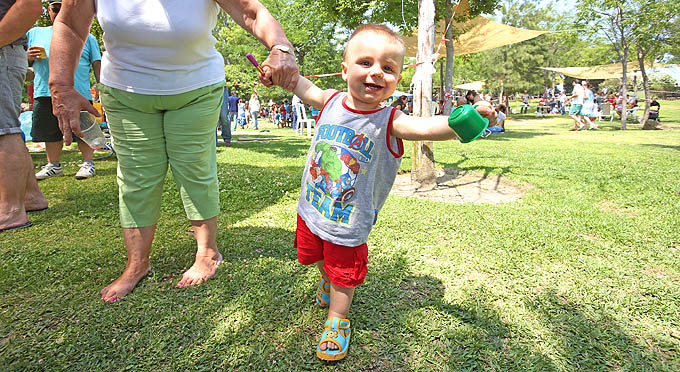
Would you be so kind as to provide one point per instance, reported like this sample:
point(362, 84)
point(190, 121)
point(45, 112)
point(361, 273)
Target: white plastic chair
point(302, 120)
point(606, 111)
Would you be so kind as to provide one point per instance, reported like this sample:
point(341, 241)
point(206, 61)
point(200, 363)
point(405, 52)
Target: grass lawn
point(581, 274)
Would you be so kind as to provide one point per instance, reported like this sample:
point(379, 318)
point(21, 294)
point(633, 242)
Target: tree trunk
point(624, 90)
point(448, 105)
point(423, 171)
point(646, 123)
point(500, 96)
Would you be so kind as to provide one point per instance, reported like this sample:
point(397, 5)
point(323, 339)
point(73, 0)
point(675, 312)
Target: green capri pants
point(151, 131)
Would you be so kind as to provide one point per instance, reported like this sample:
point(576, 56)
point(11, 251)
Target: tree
point(423, 171)
point(614, 19)
point(657, 25)
point(316, 41)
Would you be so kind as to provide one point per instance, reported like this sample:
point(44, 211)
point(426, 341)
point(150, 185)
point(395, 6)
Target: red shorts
point(345, 266)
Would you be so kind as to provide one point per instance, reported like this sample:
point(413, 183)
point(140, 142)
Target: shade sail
point(611, 71)
point(475, 85)
point(480, 34)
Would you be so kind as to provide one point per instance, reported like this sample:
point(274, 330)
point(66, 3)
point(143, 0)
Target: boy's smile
point(372, 69)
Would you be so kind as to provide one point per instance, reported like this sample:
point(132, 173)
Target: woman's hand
point(280, 69)
point(66, 106)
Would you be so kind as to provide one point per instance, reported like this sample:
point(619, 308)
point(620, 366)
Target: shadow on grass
point(515, 134)
point(410, 326)
point(257, 313)
point(670, 147)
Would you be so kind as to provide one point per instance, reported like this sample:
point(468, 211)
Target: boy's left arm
point(435, 128)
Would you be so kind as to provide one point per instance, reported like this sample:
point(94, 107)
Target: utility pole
point(423, 171)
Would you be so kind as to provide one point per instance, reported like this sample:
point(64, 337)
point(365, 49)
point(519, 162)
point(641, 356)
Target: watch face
point(284, 48)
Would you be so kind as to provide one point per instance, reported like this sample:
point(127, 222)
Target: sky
point(561, 5)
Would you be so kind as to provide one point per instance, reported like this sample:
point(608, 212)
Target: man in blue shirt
point(233, 108)
point(224, 121)
point(45, 124)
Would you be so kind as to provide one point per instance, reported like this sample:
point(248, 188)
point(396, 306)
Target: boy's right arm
point(311, 94)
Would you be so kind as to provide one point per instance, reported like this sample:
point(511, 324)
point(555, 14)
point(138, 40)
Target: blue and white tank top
point(350, 169)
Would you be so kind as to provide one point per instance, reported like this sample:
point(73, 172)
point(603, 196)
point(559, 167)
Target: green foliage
point(517, 66)
point(318, 47)
point(95, 29)
point(660, 81)
point(404, 14)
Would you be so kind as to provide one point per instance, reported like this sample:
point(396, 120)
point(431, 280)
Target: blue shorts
point(575, 109)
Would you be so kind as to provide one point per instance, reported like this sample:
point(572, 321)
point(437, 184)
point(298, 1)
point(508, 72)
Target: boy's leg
point(341, 300)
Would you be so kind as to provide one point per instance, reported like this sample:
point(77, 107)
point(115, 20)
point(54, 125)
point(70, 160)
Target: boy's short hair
point(378, 29)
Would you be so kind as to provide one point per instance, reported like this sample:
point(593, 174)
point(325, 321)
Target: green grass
point(581, 274)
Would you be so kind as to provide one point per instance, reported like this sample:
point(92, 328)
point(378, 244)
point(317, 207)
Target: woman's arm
point(69, 33)
point(280, 68)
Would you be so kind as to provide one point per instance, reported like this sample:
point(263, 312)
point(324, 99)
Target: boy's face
point(372, 69)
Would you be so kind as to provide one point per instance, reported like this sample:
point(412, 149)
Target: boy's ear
point(344, 71)
point(399, 80)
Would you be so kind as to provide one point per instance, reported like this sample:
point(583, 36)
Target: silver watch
point(285, 48)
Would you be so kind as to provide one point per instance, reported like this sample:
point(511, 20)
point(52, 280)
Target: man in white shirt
point(577, 97)
point(296, 104)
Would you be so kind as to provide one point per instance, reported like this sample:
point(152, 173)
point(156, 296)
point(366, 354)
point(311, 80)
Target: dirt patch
point(456, 186)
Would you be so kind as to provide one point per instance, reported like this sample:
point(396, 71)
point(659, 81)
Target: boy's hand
point(487, 110)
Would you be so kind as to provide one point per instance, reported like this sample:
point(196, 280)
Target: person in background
point(499, 125)
point(233, 109)
point(562, 100)
point(315, 113)
point(577, 97)
point(296, 105)
point(525, 103)
point(254, 104)
point(241, 118)
point(224, 121)
point(162, 87)
point(589, 110)
point(45, 124)
point(654, 108)
point(19, 190)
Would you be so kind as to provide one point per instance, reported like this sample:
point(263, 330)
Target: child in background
point(277, 115)
point(351, 167)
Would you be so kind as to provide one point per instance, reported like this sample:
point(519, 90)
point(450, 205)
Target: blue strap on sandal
point(323, 293)
point(337, 331)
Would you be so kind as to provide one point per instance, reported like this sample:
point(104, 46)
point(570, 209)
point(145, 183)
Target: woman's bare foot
point(203, 269)
point(125, 283)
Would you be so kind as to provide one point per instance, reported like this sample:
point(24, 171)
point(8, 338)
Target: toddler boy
point(350, 169)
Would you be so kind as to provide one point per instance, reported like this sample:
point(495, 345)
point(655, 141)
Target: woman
point(162, 87)
point(589, 111)
point(254, 104)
